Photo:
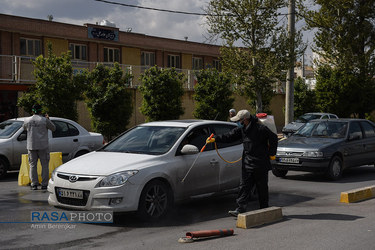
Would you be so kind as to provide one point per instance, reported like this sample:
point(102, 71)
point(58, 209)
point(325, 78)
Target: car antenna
point(216, 115)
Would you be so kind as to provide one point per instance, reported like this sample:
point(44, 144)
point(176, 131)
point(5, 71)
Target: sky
point(149, 22)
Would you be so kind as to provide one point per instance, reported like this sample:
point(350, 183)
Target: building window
point(217, 65)
point(174, 61)
point(148, 59)
point(30, 47)
point(197, 63)
point(111, 55)
point(79, 51)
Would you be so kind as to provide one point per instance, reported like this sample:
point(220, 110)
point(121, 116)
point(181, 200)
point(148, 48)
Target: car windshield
point(153, 140)
point(307, 117)
point(8, 128)
point(327, 129)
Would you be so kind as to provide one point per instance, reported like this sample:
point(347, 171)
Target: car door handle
point(213, 162)
point(75, 140)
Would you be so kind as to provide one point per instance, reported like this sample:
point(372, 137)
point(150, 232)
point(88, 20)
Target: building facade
point(23, 39)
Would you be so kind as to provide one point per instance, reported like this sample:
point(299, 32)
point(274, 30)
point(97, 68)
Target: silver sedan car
point(70, 138)
point(292, 127)
point(146, 169)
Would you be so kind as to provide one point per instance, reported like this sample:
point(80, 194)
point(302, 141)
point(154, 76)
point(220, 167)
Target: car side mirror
point(22, 137)
point(189, 149)
point(354, 137)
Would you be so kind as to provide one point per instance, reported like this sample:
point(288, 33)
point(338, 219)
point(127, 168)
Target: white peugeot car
point(70, 138)
point(146, 169)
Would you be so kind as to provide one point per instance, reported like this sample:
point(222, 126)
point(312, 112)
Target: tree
point(260, 62)
point(162, 91)
point(345, 41)
point(108, 100)
point(213, 95)
point(334, 91)
point(56, 89)
point(304, 98)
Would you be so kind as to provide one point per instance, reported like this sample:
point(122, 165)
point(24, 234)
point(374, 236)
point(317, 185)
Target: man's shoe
point(44, 187)
point(235, 213)
point(34, 187)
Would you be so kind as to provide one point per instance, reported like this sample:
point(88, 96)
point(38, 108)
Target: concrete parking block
point(358, 194)
point(259, 217)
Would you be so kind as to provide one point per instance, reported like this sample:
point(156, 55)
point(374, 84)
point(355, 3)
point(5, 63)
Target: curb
point(358, 194)
point(259, 217)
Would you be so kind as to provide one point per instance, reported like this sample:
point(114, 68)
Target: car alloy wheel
point(155, 200)
point(335, 168)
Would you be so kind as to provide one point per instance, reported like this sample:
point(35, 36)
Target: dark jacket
point(259, 143)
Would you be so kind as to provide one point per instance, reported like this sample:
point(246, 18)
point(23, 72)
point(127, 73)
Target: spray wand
point(203, 148)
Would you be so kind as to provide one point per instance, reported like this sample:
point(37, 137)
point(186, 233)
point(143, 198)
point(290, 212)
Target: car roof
point(51, 117)
point(318, 113)
point(183, 123)
point(340, 120)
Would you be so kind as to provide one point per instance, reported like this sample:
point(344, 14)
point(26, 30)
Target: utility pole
point(289, 97)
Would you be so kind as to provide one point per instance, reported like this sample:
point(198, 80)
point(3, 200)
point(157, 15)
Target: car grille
point(79, 177)
point(289, 154)
point(71, 201)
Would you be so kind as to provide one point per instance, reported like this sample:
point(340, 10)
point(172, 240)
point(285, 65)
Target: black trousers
point(257, 177)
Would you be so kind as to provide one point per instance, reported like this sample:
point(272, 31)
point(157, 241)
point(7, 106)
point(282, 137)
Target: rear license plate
point(289, 160)
point(68, 193)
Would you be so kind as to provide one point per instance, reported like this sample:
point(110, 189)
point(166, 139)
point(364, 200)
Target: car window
point(307, 117)
point(153, 140)
point(8, 128)
point(325, 117)
point(355, 131)
point(333, 116)
point(223, 129)
point(197, 137)
point(368, 129)
point(64, 129)
point(329, 129)
point(321, 130)
point(306, 129)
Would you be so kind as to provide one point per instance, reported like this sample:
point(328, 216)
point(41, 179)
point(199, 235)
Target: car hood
point(293, 126)
point(105, 163)
point(306, 143)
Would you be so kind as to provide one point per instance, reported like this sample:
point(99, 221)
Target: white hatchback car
point(143, 169)
point(70, 138)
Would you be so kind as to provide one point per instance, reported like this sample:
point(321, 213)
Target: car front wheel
point(279, 172)
point(335, 168)
point(156, 199)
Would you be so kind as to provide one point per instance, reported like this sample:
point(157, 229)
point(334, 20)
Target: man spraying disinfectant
point(260, 145)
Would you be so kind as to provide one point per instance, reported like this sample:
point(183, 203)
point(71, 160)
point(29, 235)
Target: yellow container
point(23, 176)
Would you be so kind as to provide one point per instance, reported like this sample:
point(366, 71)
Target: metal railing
point(19, 70)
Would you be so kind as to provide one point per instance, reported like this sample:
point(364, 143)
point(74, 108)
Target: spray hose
point(231, 162)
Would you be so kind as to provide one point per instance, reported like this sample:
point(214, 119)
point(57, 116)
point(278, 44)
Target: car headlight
point(53, 175)
point(313, 154)
point(117, 179)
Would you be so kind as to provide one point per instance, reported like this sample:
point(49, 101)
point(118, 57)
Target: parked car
point(144, 169)
point(292, 127)
point(328, 146)
point(70, 138)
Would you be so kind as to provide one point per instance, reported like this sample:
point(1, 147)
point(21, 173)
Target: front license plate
point(68, 193)
point(289, 160)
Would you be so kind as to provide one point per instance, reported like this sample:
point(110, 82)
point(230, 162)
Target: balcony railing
point(19, 70)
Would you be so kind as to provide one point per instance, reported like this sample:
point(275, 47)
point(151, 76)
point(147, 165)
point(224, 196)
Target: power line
point(165, 10)
point(156, 9)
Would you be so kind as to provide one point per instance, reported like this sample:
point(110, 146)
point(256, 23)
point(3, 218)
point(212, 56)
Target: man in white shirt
point(37, 145)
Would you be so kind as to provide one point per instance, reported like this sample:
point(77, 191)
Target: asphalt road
point(313, 218)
